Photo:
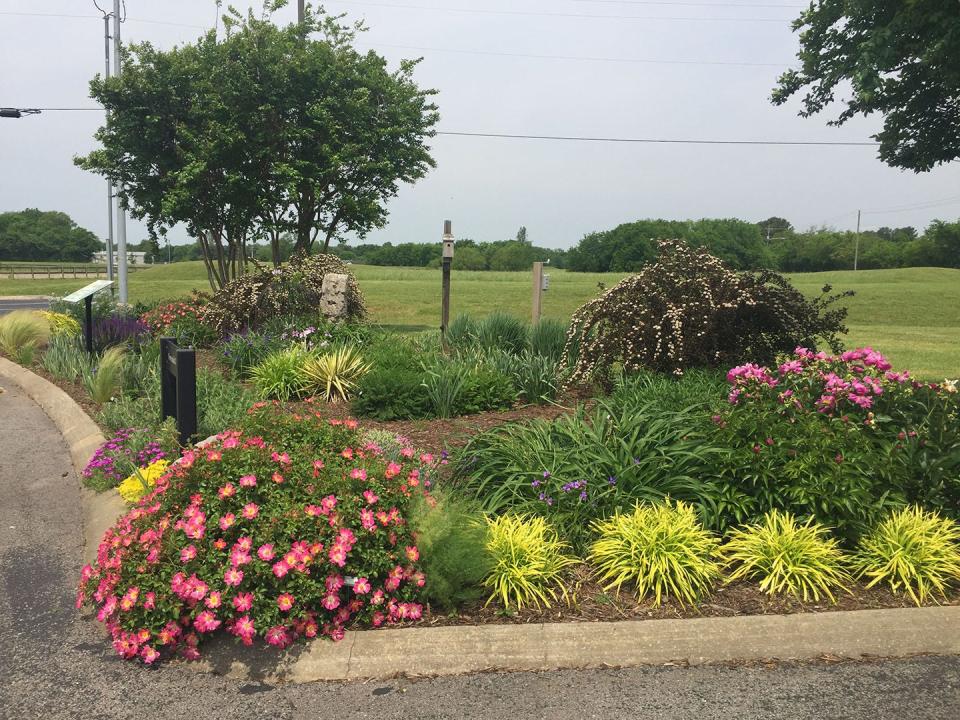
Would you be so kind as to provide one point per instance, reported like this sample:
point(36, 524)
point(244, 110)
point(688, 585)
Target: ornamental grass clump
point(104, 378)
point(662, 550)
point(786, 557)
point(528, 562)
point(22, 332)
point(264, 542)
point(688, 309)
point(911, 551)
point(281, 375)
point(333, 376)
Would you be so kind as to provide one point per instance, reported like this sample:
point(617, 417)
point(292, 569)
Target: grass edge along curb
point(456, 650)
point(82, 437)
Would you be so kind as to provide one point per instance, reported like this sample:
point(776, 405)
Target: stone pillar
point(333, 295)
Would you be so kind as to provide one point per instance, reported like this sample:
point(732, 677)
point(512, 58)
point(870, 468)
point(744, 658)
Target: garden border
point(452, 650)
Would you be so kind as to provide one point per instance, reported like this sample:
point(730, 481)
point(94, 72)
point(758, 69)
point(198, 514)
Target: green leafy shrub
point(661, 549)
point(786, 557)
point(911, 551)
point(292, 291)
point(450, 533)
point(221, 403)
point(534, 377)
point(333, 375)
point(690, 310)
point(484, 390)
point(528, 560)
point(548, 339)
point(281, 374)
point(104, 379)
point(268, 543)
point(391, 393)
point(22, 333)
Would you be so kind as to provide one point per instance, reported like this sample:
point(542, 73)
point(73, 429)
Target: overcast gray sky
point(617, 68)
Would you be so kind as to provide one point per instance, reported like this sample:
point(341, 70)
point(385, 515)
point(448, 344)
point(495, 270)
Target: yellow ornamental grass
point(528, 560)
point(661, 549)
point(787, 557)
point(334, 375)
point(21, 333)
point(142, 481)
point(911, 551)
point(61, 323)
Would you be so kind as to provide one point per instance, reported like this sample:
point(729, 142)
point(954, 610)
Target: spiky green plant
point(21, 333)
point(444, 384)
point(912, 551)
point(502, 331)
point(65, 358)
point(786, 557)
point(334, 375)
point(548, 338)
point(462, 332)
point(661, 549)
point(104, 378)
point(280, 376)
point(528, 560)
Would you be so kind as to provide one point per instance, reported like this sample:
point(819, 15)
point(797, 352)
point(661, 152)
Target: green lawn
point(912, 315)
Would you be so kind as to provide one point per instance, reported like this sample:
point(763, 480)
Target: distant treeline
point(773, 243)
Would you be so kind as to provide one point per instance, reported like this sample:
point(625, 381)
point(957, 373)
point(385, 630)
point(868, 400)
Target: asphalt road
point(10, 305)
point(56, 664)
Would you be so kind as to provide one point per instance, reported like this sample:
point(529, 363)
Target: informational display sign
point(88, 291)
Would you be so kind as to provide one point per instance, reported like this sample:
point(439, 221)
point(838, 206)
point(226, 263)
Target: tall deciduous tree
point(263, 133)
point(901, 59)
point(33, 234)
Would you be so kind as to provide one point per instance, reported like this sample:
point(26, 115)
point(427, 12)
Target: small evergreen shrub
point(911, 551)
point(662, 550)
point(786, 557)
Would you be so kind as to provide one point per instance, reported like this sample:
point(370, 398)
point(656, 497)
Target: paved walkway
point(54, 664)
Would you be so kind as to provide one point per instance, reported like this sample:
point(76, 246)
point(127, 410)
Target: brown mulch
point(589, 602)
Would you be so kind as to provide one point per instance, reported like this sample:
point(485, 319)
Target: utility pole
point(300, 11)
point(446, 261)
point(856, 246)
point(121, 215)
point(106, 62)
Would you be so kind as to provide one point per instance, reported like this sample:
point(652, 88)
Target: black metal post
point(88, 303)
point(186, 394)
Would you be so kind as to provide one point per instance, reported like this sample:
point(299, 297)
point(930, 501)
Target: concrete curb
point(454, 650)
point(24, 298)
point(83, 437)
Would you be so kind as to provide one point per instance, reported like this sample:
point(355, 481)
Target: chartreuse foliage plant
point(911, 551)
point(61, 323)
point(262, 539)
point(333, 376)
point(22, 332)
point(281, 375)
point(528, 562)
point(786, 556)
point(661, 549)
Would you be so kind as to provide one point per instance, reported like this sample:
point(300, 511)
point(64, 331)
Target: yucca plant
point(786, 557)
point(912, 551)
point(661, 549)
point(104, 378)
point(334, 375)
point(528, 560)
point(281, 374)
point(21, 333)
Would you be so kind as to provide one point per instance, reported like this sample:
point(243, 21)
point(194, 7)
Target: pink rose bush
point(262, 539)
point(841, 437)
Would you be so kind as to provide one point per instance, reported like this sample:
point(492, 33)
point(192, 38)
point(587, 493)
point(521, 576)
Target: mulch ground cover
point(589, 602)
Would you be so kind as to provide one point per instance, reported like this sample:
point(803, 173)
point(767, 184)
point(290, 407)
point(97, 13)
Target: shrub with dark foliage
point(688, 309)
point(292, 291)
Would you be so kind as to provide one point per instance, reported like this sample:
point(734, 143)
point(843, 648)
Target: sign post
point(178, 387)
point(86, 294)
point(446, 262)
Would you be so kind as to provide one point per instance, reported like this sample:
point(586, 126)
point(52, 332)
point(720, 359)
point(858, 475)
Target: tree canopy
point(901, 60)
point(262, 133)
point(33, 234)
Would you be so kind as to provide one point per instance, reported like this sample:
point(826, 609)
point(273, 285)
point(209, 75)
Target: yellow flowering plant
point(138, 484)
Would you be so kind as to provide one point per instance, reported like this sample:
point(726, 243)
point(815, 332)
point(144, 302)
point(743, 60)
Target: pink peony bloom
point(227, 491)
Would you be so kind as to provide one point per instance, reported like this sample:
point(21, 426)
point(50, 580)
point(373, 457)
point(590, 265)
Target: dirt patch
point(589, 602)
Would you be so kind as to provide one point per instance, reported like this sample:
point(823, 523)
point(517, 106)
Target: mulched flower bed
point(590, 603)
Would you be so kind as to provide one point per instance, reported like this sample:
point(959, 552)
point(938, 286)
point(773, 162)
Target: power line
point(689, 4)
point(575, 57)
point(683, 141)
point(925, 205)
point(97, 17)
point(579, 16)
